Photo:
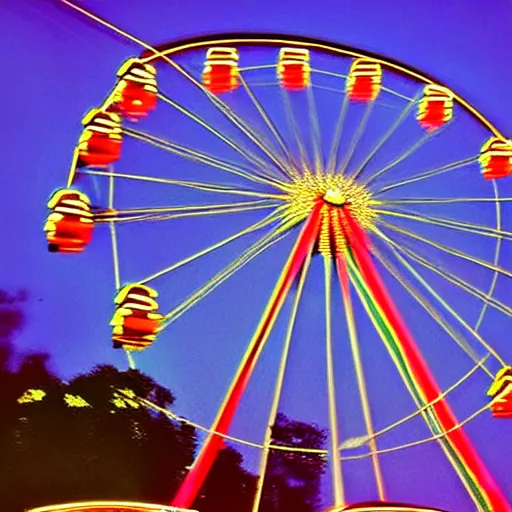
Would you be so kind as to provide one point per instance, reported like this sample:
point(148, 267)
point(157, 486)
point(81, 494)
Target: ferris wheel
point(362, 175)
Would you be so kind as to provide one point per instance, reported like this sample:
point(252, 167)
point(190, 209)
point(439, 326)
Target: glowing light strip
point(210, 448)
point(95, 505)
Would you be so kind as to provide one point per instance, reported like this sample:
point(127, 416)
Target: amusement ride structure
point(300, 109)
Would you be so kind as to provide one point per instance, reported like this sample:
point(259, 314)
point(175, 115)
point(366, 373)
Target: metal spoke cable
point(203, 158)
point(357, 136)
point(206, 187)
point(273, 217)
point(272, 127)
point(405, 112)
point(198, 213)
point(279, 386)
point(447, 249)
point(316, 136)
point(428, 174)
point(243, 151)
point(458, 225)
point(294, 128)
point(332, 163)
point(360, 377)
point(445, 304)
point(449, 276)
point(260, 246)
point(400, 158)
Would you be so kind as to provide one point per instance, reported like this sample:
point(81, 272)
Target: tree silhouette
point(228, 486)
point(91, 438)
point(292, 481)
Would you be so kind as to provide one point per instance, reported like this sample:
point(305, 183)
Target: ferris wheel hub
point(335, 190)
point(335, 197)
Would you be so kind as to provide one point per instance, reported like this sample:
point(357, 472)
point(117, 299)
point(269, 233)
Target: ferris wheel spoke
point(316, 135)
point(324, 248)
point(406, 154)
point(256, 249)
point(361, 381)
point(205, 187)
point(273, 217)
point(191, 484)
point(156, 214)
point(435, 437)
point(438, 297)
point(294, 128)
point(240, 123)
point(405, 112)
point(447, 249)
point(272, 127)
point(429, 174)
point(421, 410)
point(357, 136)
point(433, 312)
point(246, 153)
point(221, 105)
point(416, 374)
point(336, 139)
point(279, 385)
point(466, 227)
point(445, 200)
point(203, 158)
point(486, 298)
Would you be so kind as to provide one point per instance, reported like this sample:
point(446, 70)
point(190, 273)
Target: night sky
point(59, 65)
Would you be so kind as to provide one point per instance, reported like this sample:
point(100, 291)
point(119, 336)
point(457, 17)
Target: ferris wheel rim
point(152, 55)
point(276, 39)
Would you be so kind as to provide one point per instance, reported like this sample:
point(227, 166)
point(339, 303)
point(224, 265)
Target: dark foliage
point(91, 438)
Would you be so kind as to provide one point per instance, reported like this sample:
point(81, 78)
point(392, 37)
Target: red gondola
point(364, 80)
point(69, 226)
point(101, 140)
point(136, 92)
point(496, 158)
point(221, 72)
point(501, 393)
point(135, 321)
point(293, 69)
point(435, 107)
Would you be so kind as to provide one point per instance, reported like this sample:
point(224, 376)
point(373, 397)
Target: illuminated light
point(435, 107)
point(75, 401)
point(501, 393)
point(31, 395)
point(101, 140)
point(109, 506)
point(293, 68)
point(136, 319)
point(377, 506)
point(136, 93)
point(496, 158)
point(364, 80)
point(70, 224)
point(122, 401)
point(221, 73)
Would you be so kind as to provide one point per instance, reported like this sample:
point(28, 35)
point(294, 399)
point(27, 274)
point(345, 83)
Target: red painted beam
point(196, 476)
point(360, 247)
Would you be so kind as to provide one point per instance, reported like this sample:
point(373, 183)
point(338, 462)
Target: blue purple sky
point(59, 65)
